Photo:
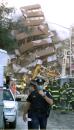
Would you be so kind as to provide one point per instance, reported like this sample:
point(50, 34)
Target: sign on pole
point(1, 76)
point(3, 58)
point(3, 63)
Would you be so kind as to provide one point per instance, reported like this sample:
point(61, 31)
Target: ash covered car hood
point(10, 104)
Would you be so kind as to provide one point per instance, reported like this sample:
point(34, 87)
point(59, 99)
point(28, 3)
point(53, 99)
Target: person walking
point(39, 104)
point(7, 83)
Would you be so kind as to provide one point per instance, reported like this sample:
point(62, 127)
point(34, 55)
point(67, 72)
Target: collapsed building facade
point(36, 42)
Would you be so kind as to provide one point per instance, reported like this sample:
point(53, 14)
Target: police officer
point(38, 106)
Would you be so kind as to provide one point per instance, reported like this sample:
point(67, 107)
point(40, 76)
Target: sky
point(57, 12)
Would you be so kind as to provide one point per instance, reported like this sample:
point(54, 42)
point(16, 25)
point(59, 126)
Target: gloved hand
point(42, 93)
point(24, 118)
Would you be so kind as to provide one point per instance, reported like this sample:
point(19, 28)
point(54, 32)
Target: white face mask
point(40, 87)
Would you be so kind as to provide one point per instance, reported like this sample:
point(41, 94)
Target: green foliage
point(22, 28)
point(7, 42)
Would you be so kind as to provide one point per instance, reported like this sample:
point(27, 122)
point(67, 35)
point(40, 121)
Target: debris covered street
point(56, 121)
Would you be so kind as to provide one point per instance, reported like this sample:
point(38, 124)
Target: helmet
point(40, 81)
point(33, 82)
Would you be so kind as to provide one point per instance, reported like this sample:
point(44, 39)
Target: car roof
point(8, 89)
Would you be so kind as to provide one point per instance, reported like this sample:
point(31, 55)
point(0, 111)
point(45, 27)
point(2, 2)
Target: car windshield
point(7, 95)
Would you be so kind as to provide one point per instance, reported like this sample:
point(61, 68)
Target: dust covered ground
point(56, 121)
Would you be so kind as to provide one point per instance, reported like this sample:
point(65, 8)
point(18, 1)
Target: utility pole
point(3, 63)
point(64, 63)
point(70, 52)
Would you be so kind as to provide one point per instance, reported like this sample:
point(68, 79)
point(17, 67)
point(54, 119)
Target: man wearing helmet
point(39, 102)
